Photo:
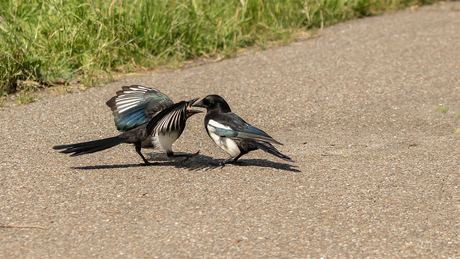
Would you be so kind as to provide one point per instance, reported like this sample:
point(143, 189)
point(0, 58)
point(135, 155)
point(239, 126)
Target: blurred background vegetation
point(60, 40)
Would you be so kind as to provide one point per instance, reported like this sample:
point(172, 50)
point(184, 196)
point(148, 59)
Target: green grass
point(51, 40)
point(23, 98)
point(441, 109)
point(3, 99)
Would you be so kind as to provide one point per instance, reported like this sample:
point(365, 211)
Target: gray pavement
point(376, 173)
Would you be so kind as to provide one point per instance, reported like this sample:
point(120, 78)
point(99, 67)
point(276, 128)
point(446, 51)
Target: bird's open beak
point(189, 107)
point(199, 104)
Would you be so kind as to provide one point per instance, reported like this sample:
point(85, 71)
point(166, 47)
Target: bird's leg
point(171, 154)
point(226, 161)
point(236, 159)
point(187, 156)
point(138, 150)
point(231, 160)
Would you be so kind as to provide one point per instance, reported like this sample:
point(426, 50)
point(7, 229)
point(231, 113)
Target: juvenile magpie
point(231, 133)
point(147, 118)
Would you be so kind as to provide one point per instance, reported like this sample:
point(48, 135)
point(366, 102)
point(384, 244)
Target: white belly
point(165, 142)
point(228, 145)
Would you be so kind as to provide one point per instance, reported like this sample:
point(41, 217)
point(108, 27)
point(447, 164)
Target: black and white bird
point(231, 133)
point(147, 118)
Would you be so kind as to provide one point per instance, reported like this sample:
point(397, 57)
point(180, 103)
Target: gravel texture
point(376, 172)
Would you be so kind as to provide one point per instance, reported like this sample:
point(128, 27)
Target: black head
point(213, 102)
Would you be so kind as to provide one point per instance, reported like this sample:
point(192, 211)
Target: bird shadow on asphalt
point(208, 163)
point(266, 163)
point(195, 163)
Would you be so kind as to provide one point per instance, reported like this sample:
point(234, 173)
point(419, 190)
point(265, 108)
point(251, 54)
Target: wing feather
point(135, 105)
point(232, 126)
point(170, 119)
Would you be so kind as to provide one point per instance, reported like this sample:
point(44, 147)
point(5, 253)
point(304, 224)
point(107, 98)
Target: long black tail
point(269, 148)
point(79, 149)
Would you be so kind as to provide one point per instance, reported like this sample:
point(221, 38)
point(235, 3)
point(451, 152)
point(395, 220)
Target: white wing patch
point(170, 122)
point(124, 104)
point(227, 144)
point(142, 88)
point(139, 88)
point(126, 101)
point(216, 124)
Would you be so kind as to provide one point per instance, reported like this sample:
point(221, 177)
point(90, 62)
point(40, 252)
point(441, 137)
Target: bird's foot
point(229, 161)
point(147, 163)
point(188, 156)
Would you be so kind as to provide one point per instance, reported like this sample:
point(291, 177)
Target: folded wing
point(232, 126)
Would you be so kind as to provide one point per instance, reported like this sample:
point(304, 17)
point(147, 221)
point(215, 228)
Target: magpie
point(231, 133)
point(148, 119)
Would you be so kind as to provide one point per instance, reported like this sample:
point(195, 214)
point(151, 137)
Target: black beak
point(192, 103)
point(200, 104)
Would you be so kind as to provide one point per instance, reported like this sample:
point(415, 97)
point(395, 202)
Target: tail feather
point(269, 148)
point(83, 148)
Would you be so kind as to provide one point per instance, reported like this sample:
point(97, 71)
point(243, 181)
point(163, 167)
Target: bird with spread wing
point(146, 117)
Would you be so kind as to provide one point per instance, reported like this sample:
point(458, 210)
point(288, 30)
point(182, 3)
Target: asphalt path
point(376, 172)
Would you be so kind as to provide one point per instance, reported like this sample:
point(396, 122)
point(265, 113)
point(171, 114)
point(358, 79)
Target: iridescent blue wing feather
point(135, 105)
point(252, 132)
point(225, 132)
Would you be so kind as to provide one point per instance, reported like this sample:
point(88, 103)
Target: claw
point(189, 156)
point(229, 161)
